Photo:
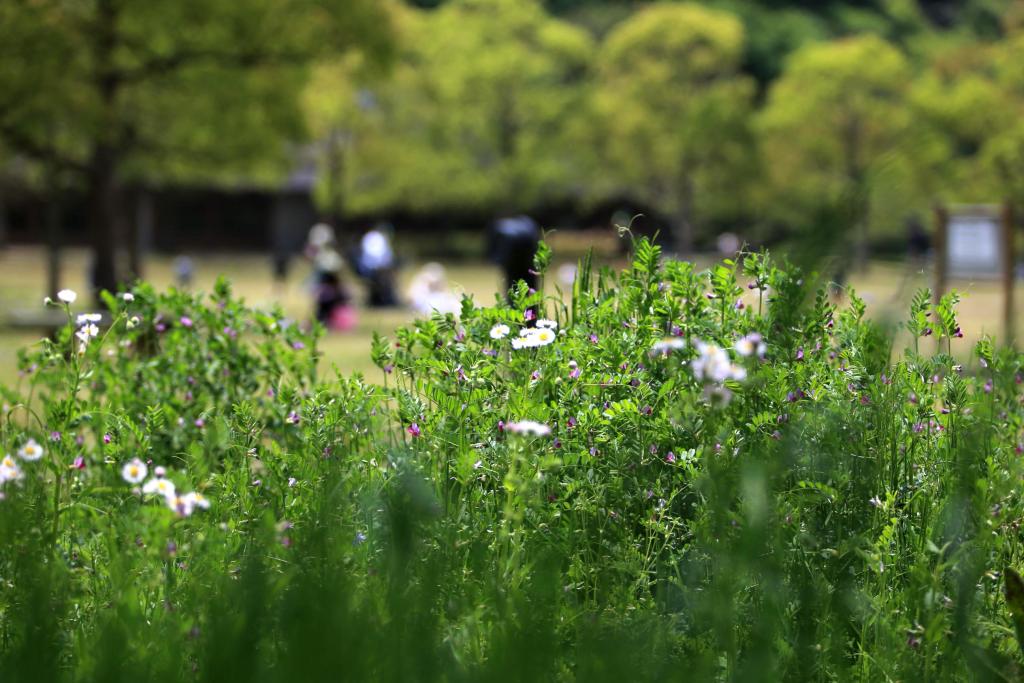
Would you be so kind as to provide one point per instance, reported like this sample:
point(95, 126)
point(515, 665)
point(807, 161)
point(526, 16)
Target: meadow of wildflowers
point(663, 474)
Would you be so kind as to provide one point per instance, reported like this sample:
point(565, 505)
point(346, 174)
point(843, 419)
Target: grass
point(668, 483)
point(886, 288)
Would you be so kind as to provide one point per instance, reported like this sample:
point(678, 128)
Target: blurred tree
point(832, 129)
point(473, 114)
point(671, 112)
point(116, 91)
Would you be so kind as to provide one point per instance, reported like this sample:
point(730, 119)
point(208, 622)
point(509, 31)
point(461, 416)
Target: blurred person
point(331, 299)
point(184, 271)
point(376, 264)
point(512, 243)
point(429, 291)
point(281, 264)
point(919, 245)
point(728, 245)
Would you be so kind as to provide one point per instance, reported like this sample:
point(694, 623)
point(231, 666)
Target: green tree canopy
point(671, 112)
point(473, 114)
point(106, 92)
point(834, 129)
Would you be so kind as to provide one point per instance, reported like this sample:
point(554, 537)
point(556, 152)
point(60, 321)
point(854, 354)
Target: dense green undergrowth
point(714, 475)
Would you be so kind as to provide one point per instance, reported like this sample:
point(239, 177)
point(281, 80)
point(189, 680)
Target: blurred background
point(365, 161)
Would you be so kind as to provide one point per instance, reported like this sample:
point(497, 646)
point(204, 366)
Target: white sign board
point(973, 245)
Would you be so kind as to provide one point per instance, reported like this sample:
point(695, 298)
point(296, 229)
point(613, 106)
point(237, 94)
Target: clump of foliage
point(722, 472)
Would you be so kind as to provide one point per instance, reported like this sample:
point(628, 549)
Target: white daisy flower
point(713, 364)
point(68, 296)
point(161, 486)
point(84, 318)
point(9, 470)
point(128, 296)
point(545, 323)
point(182, 505)
point(134, 471)
point(519, 343)
point(500, 331)
point(541, 336)
point(667, 346)
point(198, 500)
point(31, 451)
point(528, 427)
point(751, 344)
point(87, 332)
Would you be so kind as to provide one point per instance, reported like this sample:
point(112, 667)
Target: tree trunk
point(103, 197)
point(682, 222)
point(53, 246)
point(141, 233)
point(3, 223)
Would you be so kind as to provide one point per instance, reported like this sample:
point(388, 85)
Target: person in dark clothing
point(512, 244)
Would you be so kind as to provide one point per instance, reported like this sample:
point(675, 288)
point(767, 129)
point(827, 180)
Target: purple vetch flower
point(800, 353)
point(200, 422)
point(670, 457)
point(570, 423)
point(230, 332)
point(107, 438)
point(529, 315)
point(574, 370)
point(501, 425)
point(557, 443)
point(185, 321)
point(918, 427)
point(79, 440)
point(54, 436)
point(535, 375)
point(739, 306)
point(388, 369)
point(298, 346)
point(776, 435)
point(490, 352)
point(647, 410)
point(188, 395)
point(593, 338)
point(293, 418)
point(926, 332)
point(593, 451)
point(79, 463)
point(172, 548)
point(414, 430)
point(864, 399)
point(988, 387)
point(291, 482)
point(958, 333)
point(359, 539)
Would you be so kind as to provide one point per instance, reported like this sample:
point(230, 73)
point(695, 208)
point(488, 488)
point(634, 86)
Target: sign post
point(977, 242)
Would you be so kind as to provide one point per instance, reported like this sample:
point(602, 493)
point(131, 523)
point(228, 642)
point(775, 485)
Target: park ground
point(885, 286)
